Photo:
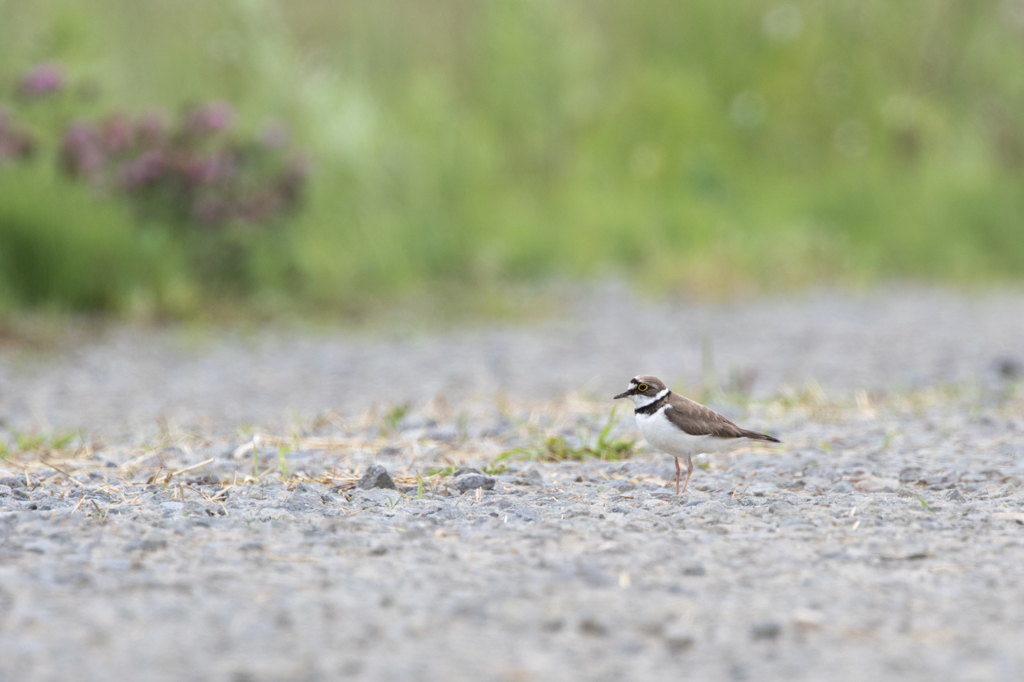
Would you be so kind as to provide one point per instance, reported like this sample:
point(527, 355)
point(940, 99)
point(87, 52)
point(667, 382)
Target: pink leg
point(689, 472)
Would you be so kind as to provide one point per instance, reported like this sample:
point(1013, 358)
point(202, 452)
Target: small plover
point(679, 426)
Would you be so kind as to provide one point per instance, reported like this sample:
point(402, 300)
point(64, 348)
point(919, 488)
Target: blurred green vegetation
point(707, 146)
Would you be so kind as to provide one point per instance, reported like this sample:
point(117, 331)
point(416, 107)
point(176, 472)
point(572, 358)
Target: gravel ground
point(883, 539)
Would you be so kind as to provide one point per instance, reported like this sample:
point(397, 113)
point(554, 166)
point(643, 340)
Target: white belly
point(667, 437)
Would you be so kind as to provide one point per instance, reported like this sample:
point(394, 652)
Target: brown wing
point(697, 420)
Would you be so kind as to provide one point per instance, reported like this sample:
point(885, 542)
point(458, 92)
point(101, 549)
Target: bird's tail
point(754, 435)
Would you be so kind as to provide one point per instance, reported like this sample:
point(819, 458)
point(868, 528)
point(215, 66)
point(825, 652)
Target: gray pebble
point(954, 495)
point(593, 628)
point(910, 474)
point(531, 477)
point(525, 512)
point(766, 630)
point(678, 637)
point(473, 481)
point(878, 485)
point(376, 476)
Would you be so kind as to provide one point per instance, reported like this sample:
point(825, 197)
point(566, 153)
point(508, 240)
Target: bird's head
point(644, 390)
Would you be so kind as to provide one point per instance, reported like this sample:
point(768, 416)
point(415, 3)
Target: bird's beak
point(624, 394)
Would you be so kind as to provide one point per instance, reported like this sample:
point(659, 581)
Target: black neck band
point(651, 408)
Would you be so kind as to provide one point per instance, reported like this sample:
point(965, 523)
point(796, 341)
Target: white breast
point(667, 437)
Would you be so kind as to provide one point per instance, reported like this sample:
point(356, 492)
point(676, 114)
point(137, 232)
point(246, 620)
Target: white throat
point(645, 400)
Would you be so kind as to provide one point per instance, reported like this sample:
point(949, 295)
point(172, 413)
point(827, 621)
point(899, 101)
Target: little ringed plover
point(679, 426)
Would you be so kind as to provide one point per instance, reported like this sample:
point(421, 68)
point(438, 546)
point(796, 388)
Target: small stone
point(843, 487)
point(1009, 368)
point(767, 630)
point(816, 485)
point(695, 570)
point(376, 477)
point(473, 481)
point(5, 490)
point(152, 545)
point(806, 620)
point(531, 477)
point(449, 513)
point(462, 471)
point(678, 637)
point(941, 481)
point(955, 496)
point(878, 485)
point(592, 628)
point(910, 475)
point(552, 625)
point(525, 512)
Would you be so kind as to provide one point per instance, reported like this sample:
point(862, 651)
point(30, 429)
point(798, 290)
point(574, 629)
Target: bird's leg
point(689, 472)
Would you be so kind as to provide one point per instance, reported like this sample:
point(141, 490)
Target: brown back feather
point(697, 420)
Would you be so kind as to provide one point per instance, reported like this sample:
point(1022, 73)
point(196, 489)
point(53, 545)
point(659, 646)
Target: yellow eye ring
point(642, 387)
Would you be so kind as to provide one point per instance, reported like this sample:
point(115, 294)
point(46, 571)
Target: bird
point(679, 426)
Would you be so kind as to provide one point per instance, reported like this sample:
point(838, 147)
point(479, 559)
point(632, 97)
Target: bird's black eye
point(642, 387)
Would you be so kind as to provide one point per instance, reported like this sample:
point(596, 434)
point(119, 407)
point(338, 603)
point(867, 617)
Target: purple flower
point(15, 144)
point(206, 170)
point(209, 118)
point(290, 183)
point(118, 133)
point(81, 152)
point(191, 171)
point(153, 128)
point(42, 80)
point(147, 169)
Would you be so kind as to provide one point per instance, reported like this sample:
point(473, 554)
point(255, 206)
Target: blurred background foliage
point(707, 147)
